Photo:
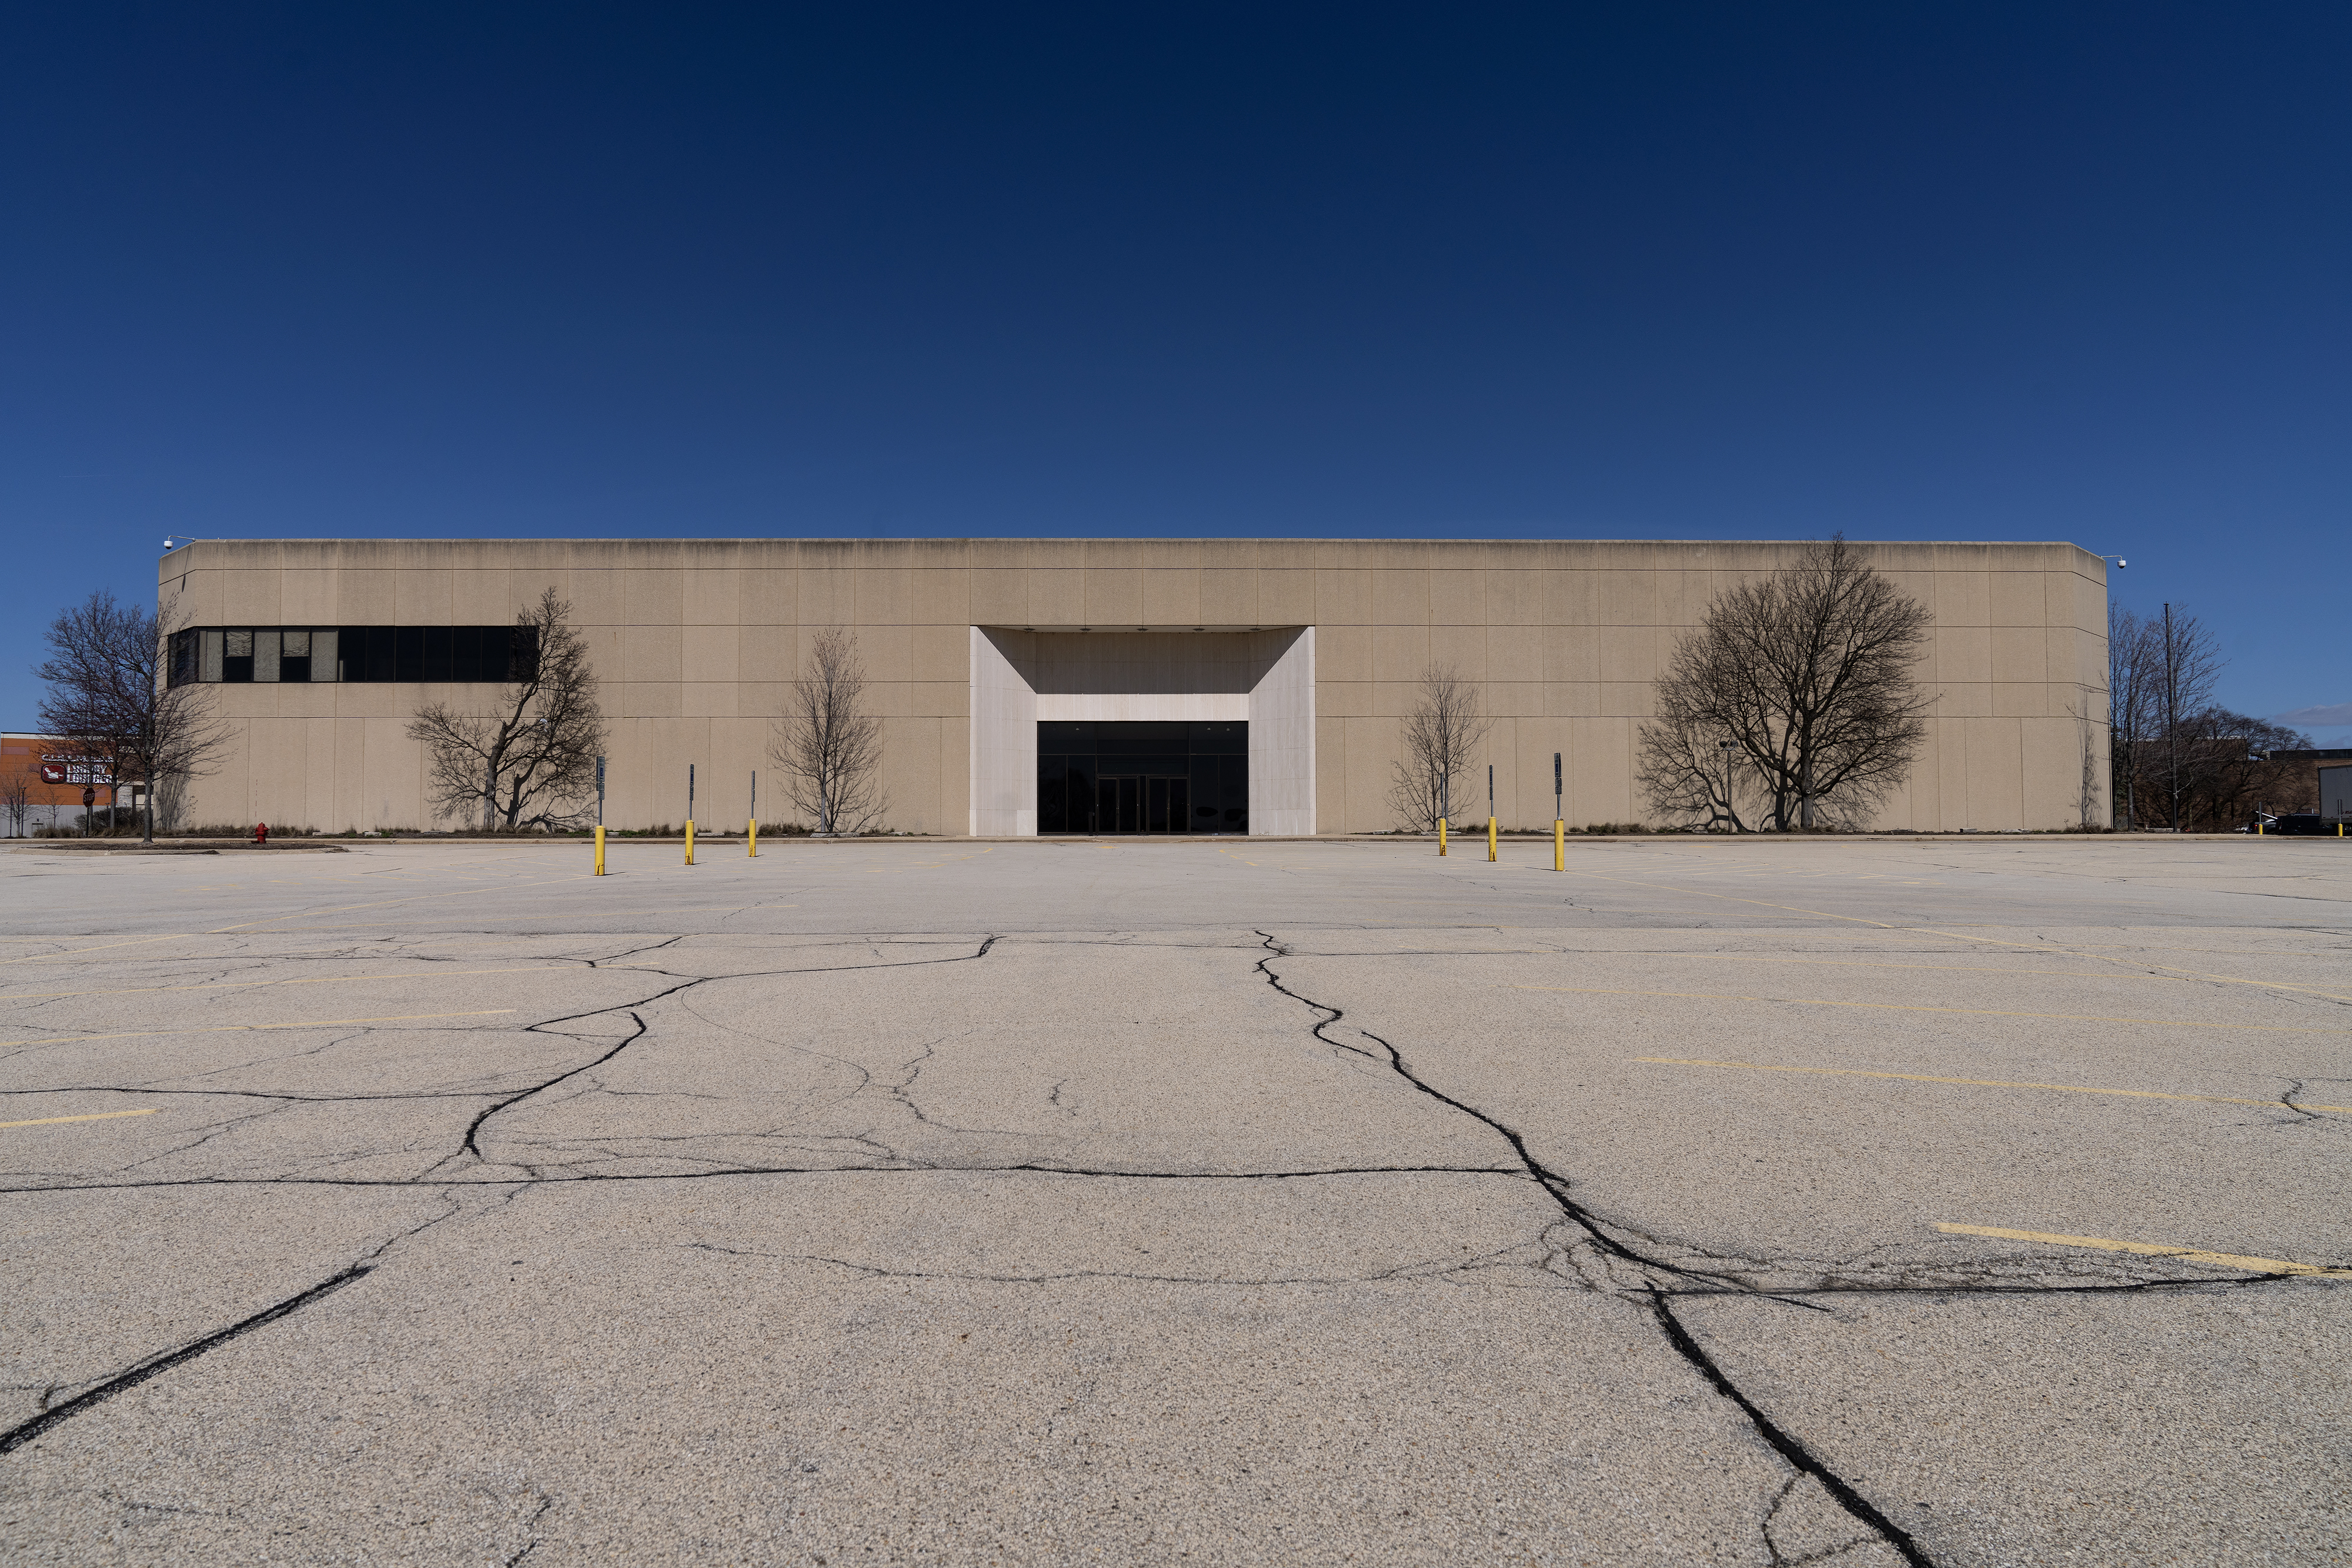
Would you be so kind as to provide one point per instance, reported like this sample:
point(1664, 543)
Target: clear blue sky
point(1974, 272)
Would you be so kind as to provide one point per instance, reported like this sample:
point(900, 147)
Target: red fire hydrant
point(260, 832)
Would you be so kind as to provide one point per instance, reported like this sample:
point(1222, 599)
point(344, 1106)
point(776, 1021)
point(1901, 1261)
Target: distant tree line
point(2177, 757)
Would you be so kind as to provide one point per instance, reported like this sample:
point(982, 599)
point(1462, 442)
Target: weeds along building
point(1093, 685)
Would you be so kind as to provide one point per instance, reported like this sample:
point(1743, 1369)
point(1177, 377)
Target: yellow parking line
point(2150, 1250)
point(1934, 968)
point(93, 1117)
point(305, 980)
point(1903, 1008)
point(249, 1028)
point(1981, 1082)
point(77, 952)
point(1953, 935)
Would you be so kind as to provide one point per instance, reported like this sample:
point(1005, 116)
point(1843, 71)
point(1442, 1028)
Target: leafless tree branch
point(1809, 674)
point(1441, 737)
point(17, 797)
point(828, 745)
point(530, 762)
point(109, 698)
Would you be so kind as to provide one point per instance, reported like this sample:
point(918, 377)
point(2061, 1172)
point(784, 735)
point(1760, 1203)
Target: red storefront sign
point(60, 769)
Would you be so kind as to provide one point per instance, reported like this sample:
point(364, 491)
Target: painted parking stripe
point(1987, 1082)
point(2151, 1249)
point(92, 1116)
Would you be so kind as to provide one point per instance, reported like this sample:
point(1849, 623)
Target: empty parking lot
point(1941, 1201)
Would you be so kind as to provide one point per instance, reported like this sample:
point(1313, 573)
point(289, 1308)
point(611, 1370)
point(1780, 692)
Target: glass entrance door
point(1140, 803)
point(1143, 778)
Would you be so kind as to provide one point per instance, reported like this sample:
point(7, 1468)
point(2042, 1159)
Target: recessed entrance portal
point(1131, 777)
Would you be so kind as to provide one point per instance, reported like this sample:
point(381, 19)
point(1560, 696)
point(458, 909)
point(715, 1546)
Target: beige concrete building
point(1096, 685)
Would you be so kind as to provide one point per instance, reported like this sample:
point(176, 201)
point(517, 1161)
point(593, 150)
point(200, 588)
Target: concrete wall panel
point(1565, 637)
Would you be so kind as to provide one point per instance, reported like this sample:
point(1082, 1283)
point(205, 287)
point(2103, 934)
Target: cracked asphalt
point(1854, 1202)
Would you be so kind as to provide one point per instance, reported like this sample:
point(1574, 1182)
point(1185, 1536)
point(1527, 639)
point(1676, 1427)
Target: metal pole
point(1490, 810)
point(2171, 720)
point(1558, 822)
point(600, 816)
point(689, 813)
point(755, 814)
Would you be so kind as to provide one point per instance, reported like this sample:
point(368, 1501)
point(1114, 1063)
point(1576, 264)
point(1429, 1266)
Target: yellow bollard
point(2258, 827)
point(600, 852)
point(1490, 838)
point(1559, 844)
point(755, 838)
point(1440, 835)
point(689, 840)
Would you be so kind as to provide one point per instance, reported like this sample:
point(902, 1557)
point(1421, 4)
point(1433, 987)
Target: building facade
point(1092, 685)
point(42, 783)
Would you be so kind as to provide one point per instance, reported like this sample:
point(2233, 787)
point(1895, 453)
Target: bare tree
point(2189, 662)
point(1809, 674)
point(530, 762)
point(829, 747)
point(1441, 738)
point(16, 798)
point(2227, 769)
point(2135, 688)
point(111, 699)
point(1685, 771)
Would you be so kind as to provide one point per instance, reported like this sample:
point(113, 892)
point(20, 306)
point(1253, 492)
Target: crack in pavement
point(1794, 1453)
point(1697, 1275)
point(1426, 1268)
point(27, 1430)
point(731, 1172)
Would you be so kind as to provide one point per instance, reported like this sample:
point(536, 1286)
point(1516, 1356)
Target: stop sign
point(89, 797)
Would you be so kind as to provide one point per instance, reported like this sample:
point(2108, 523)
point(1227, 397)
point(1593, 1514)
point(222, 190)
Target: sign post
point(1490, 810)
point(755, 814)
point(88, 799)
point(600, 816)
point(689, 813)
point(1558, 822)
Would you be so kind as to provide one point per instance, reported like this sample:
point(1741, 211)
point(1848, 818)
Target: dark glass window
point(523, 652)
point(454, 654)
point(1140, 777)
point(465, 653)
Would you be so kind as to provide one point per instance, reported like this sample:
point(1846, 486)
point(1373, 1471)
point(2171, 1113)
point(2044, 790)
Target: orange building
point(55, 781)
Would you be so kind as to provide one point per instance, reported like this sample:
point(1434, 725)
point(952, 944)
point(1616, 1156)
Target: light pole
point(2172, 719)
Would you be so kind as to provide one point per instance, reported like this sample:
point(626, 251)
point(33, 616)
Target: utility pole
point(2172, 719)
